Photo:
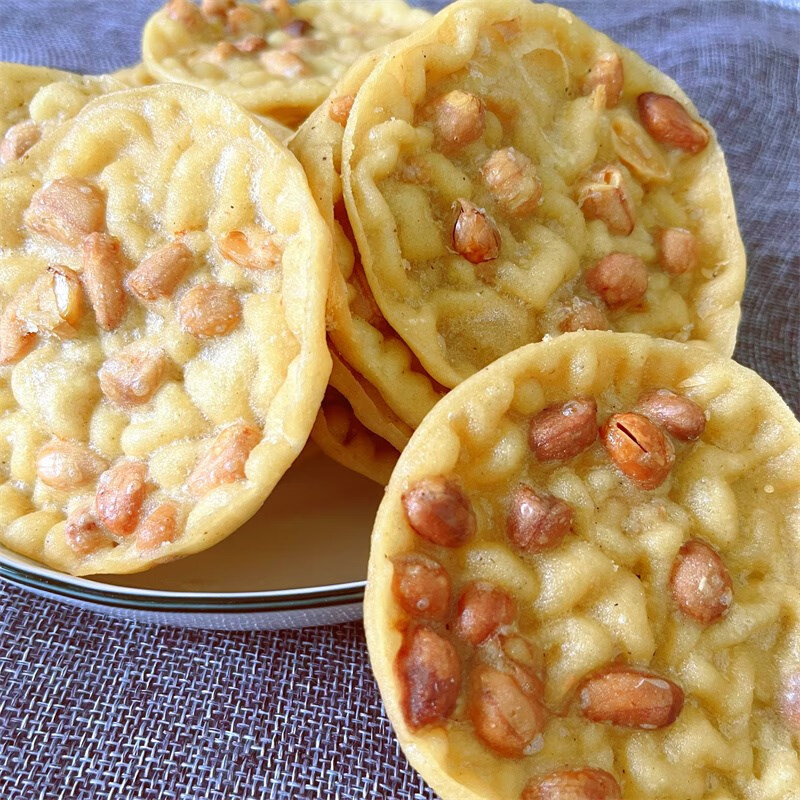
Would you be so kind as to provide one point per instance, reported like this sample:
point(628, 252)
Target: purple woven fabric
point(95, 708)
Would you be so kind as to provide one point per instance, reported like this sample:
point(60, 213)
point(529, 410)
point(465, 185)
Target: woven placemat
point(96, 708)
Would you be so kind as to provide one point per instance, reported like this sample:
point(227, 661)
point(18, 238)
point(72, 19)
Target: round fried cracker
point(280, 62)
point(535, 613)
point(164, 273)
point(510, 173)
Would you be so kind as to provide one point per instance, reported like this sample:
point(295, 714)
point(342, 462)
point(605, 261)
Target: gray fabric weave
point(93, 708)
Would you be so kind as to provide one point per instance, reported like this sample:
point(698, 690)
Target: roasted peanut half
point(159, 274)
point(220, 53)
point(512, 180)
point(120, 493)
point(667, 121)
point(158, 527)
point(241, 19)
point(67, 292)
point(225, 460)
point(340, 108)
point(251, 44)
point(607, 72)
point(217, 8)
point(66, 209)
point(132, 376)
point(259, 250)
point(475, 234)
point(459, 118)
point(439, 511)
point(15, 337)
point(789, 701)
point(638, 151)
point(537, 521)
point(561, 432)
point(584, 316)
point(421, 586)
point(280, 8)
point(602, 195)
point(630, 698)
point(430, 677)
point(210, 309)
point(638, 448)
point(82, 533)
point(700, 582)
point(102, 278)
point(482, 610)
point(573, 784)
point(186, 13)
point(284, 65)
point(677, 415)
point(68, 465)
point(507, 718)
point(298, 27)
point(618, 279)
point(677, 250)
point(18, 140)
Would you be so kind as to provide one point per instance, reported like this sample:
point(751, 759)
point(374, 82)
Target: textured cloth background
point(93, 708)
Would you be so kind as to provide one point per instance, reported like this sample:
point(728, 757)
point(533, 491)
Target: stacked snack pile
point(488, 258)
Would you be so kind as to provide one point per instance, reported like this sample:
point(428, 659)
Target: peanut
point(159, 526)
point(82, 533)
point(221, 52)
point(67, 292)
point(584, 316)
point(512, 180)
point(667, 121)
point(280, 8)
point(66, 209)
point(102, 279)
point(185, 12)
point(474, 233)
point(559, 433)
point(638, 448)
point(251, 44)
point(482, 610)
point(298, 27)
point(133, 375)
point(677, 415)
point(677, 250)
point(700, 583)
point(459, 118)
point(282, 64)
point(506, 718)
point(430, 676)
point(259, 250)
point(120, 493)
point(602, 195)
point(18, 140)
point(618, 279)
point(630, 698)
point(68, 465)
point(225, 460)
point(573, 784)
point(242, 19)
point(340, 108)
point(217, 8)
point(15, 338)
point(638, 151)
point(159, 274)
point(210, 309)
point(537, 521)
point(439, 511)
point(607, 72)
point(421, 586)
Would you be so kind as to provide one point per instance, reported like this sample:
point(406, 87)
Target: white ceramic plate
point(301, 560)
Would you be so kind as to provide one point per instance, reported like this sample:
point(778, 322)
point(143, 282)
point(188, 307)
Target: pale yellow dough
point(603, 593)
point(527, 64)
point(341, 32)
point(172, 164)
point(46, 97)
point(356, 326)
